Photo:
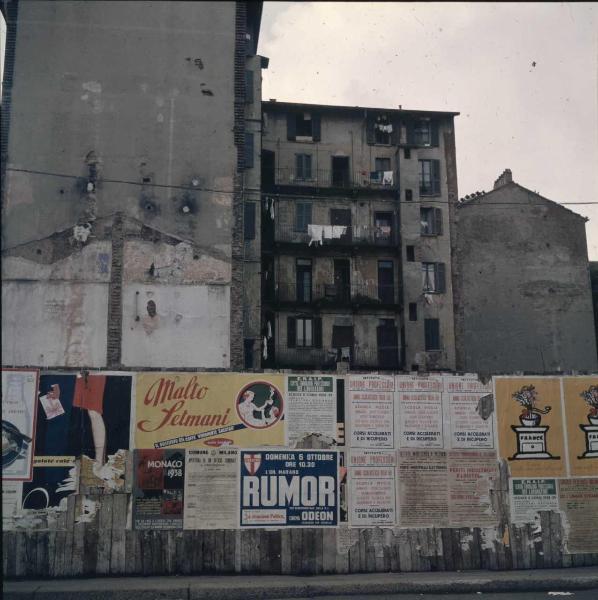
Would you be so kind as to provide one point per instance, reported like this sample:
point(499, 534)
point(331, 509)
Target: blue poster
point(293, 488)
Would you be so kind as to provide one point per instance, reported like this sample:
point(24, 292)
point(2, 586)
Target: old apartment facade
point(356, 237)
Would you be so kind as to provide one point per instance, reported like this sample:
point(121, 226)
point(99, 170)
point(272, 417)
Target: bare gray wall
point(524, 286)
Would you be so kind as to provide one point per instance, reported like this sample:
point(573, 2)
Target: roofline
point(471, 201)
point(284, 104)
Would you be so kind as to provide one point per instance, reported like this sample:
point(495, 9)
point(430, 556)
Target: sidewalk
point(240, 587)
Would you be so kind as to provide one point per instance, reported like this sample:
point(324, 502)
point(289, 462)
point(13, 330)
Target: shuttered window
point(249, 221)
point(249, 87)
point(431, 221)
point(429, 177)
point(302, 216)
point(433, 278)
point(432, 334)
point(248, 150)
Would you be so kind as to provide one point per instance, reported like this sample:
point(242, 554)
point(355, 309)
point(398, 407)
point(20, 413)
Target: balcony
point(354, 235)
point(324, 359)
point(324, 295)
point(318, 178)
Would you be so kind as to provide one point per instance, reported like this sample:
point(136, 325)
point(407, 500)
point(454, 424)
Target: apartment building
point(126, 156)
point(356, 247)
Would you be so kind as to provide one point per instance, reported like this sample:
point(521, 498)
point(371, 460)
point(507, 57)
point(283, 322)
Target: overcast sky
point(523, 76)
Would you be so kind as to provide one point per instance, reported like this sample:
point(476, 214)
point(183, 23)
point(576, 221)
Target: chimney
point(506, 177)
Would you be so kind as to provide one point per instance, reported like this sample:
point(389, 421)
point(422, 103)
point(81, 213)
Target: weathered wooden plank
point(329, 550)
point(104, 548)
point(354, 553)
point(556, 530)
point(286, 552)
point(546, 538)
point(230, 544)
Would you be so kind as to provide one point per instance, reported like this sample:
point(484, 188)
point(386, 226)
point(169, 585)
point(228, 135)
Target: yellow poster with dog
point(191, 410)
point(530, 425)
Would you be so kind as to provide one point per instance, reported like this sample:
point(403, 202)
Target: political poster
point(19, 406)
point(158, 489)
point(372, 488)
point(580, 396)
point(194, 410)
point(578, 499)
point(211, 488)
point(311, 407)
point(529, 496)
point(468, 410)
point(530, 426)
point(371, 411)
point(289, 488)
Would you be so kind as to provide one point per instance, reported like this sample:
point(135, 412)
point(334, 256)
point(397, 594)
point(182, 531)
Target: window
point(433, 278)
point(382, 134)
point(431, 221)
point(303, 166)
point(407, 152)
point(410, 253)
point(303, 280)
point(303, 126)
point(304, 332)
point(248, 150)
point(248, 87)
point(382, 164)
point(422, 132)
point(302, 216)
point(429, 177)
point(408, 195)
point(249, 221)
point(412, 311)
point(432, 334)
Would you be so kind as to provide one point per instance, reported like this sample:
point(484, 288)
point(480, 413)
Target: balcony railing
point(318, 178)
point(354, 235)
point(334, 294)
point(319, 358)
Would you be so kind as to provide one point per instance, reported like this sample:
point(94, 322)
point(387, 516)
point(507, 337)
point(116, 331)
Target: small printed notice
point(579, 501)
point(12, 493)
point(423, 488)
point(311, 407)
point(211, 488)
point(420, 420)
point(528, 496)
point(289, 488)
point(158, 489)
point(372, 488)
point(471, 474)
point(371, 405)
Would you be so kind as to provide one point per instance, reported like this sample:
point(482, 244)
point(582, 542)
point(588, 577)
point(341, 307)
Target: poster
point(311, 407)
point(178, 410)
point(420, 420)
point(471, 422)
point(371, 410)
point(528, 496)
point(471, 476)
point(289, 488)
point(372, 488)
point(158, 492)
point(423, 488)
point(83, 414)
point(529, 421)
point(581, 410)
point(12, 494)
point(19, 406)
point(578, 499)
point(211, 488)
point(419, 383)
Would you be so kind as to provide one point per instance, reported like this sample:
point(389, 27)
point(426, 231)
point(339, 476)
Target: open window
point(303, 127)
point(304, 332)
point(433, 278)
point(431, 221)
point(429, 177)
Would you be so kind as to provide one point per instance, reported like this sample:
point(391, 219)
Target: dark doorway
point(342, 279)
point(342, 217)
point(388, 344)
point(268, 166)
point(340, 171)
point(304, 280)
point(386, 284)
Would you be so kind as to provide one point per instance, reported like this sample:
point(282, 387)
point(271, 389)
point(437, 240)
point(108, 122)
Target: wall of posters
point(158, 491)
point(311, 407)
point(371, 411)
point(423, 488)
point(580, 397)
point(19, 406)
point(528, 496)
point(471, 476)
point(579, 501)
point(530, 426)
point(289, 488)
point(178, 410)
point(211, 488)
point(372, 488)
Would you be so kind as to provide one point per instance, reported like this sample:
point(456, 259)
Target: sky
point(524, 77)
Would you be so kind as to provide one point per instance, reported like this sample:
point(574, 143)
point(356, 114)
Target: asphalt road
point(555, 595)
